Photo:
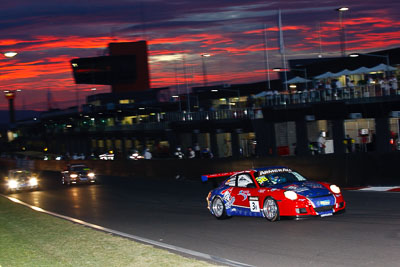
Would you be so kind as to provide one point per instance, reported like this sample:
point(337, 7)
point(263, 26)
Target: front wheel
point(218, 208)
point(271, 209)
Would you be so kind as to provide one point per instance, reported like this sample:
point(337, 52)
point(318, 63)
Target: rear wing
point(205, 177)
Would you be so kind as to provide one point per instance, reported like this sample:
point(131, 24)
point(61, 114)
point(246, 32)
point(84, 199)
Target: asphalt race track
point(174, 212)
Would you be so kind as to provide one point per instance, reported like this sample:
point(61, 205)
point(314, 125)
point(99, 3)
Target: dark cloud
point(50, 33)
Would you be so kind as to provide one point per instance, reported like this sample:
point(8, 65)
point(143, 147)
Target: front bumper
point(83, 180)
point(317, 206)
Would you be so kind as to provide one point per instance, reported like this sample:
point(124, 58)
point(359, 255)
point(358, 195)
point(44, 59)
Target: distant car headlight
point(290, 195)
point(12, 184)
point(335, 189)
point(91, 174)
point(33, 181)
point(73, 175)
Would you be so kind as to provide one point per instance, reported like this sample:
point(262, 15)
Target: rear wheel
point(218, 208)
point(271, 209)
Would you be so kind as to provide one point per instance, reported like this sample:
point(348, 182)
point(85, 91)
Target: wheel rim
point(270, 209)
point(218, 207)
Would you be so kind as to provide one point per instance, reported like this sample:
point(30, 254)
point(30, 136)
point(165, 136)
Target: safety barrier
point(357, 169)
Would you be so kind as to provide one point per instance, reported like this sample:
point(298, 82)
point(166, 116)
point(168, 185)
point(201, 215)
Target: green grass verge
point(30, 238)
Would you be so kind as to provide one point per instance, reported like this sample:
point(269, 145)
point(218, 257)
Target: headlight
point(291, 195)
point(335, 189)
point(91, 174)
point(12, 184)
point(73, 175)
point(33, 181)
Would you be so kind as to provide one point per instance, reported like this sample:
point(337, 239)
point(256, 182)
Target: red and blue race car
point(272, 192)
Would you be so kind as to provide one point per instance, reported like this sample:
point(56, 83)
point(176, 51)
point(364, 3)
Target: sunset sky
point(47, 34)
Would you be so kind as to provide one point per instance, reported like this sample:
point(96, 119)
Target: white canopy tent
point(360, 70)
point(382, 67)
point(341, 73)
point(298, 79)
point(263, 93)
point(324, 75)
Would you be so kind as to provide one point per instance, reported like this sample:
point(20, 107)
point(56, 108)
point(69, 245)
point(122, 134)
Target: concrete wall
point(348, 170)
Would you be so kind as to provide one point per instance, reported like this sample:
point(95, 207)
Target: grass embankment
point(29, 238)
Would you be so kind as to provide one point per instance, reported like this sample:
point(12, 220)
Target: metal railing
point(322, 95)
point(161, 120)
point(223, 114)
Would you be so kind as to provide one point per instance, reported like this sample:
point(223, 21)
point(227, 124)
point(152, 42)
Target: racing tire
point(271, 210)
point(218, 208)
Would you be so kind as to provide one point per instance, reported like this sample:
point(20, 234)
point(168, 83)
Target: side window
point(244, 180)
point(231, 181)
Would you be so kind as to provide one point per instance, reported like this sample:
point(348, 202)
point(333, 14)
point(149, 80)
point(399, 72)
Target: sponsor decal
point(274, 171)
point(254, 204)
point(244, 194)
point(262, 191)
point(313, 185)
point(261, 179)
point(324, 202)
point(226, 195)
point(296, 188)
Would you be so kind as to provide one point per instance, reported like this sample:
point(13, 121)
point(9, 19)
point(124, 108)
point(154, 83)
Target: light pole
point(341, 11)
point(10, 94)
point(204, 68)
point(10, 54)
point(179, 99)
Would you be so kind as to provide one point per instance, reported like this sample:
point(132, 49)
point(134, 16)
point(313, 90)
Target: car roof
point(270, 168)
point(18, 171)
point(78, 165)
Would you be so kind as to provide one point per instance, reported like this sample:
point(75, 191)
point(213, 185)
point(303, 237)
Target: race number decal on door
point(254, 206)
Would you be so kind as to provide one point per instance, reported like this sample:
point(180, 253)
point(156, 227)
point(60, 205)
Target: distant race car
point(272, 192)
point(19, 179)
point(77, 174)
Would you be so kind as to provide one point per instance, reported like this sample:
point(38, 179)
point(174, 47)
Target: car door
point(246, 196)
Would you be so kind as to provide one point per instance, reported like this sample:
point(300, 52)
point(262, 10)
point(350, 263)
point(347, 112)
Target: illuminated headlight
point(73, 175)
point(33, 181)
point(291, 195)
point(335, 189)
point(12, 184)
point(91, 174)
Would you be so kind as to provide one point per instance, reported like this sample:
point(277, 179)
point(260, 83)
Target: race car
point(19, 179)
point(77, 174)
point(272, 192)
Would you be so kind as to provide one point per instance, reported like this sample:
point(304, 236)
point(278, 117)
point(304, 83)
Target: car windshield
point(279, 178)
point(79, 168)
point(20, 174)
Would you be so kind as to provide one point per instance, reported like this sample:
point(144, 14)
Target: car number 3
point(254, 206)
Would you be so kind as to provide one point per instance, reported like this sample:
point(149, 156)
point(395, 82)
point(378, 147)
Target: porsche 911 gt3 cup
point(272, 192)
